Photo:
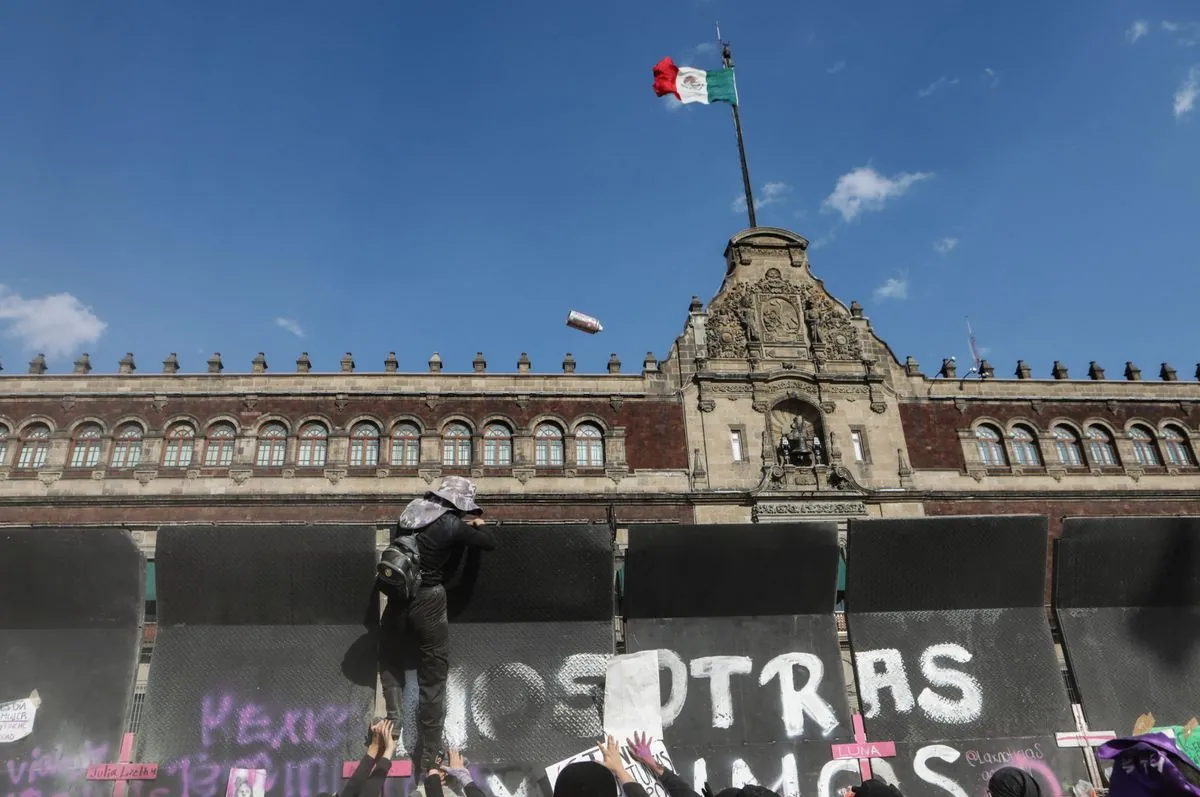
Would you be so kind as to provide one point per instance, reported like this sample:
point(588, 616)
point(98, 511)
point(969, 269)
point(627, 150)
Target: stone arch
point(802, 424)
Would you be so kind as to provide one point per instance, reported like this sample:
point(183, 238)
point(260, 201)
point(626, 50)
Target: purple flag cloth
point(1150, 765)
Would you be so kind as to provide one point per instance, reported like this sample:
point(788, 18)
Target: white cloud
point(838, 67)
point(945, 245)
point(893, 288)
point(1189, 90)
point(990, 75)
point(866, 189)
point(1167, 25)
point(1137, 30)
point(290, 325)
point(769, 194)
point(55, 325)
point(673, 103)
point(940, 83)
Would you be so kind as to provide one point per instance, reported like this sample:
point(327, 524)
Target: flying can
point(584, 323)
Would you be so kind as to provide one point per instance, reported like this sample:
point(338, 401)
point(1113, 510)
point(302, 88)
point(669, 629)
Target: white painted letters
point(921, 768)
point(938, 707)
point(831, 768)
point(795, 703)
point(669, 660)
point(718, 669)
point(879, 670)
point(580, 680)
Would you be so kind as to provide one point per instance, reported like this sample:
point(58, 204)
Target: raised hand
point(376, 744)
point(611, 753)
point(639, 746)
point(389, 742)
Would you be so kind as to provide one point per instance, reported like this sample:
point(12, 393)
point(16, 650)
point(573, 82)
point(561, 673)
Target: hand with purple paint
point(639, 747)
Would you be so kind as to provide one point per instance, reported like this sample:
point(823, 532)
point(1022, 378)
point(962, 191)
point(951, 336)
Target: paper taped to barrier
point(634, 767)
point(247, 783)
point(17, 717)
point(631, 696)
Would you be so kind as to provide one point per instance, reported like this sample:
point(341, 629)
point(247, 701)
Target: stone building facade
point(777, 402)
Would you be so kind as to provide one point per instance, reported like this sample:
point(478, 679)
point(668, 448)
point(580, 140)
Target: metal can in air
point(584, 323)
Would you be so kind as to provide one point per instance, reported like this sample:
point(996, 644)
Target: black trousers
point(422, 621)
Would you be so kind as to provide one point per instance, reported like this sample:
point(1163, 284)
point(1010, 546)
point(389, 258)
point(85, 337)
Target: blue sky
point(414, 177)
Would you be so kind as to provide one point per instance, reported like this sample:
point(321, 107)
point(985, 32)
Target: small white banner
point(17, 716)
point(635, 768)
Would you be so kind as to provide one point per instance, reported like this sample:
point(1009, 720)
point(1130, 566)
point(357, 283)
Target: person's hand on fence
point(389, 741)
point(639, 747)
point(611, 753)
point(375, 747)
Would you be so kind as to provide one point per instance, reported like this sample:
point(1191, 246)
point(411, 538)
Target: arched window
point(181, 444)
point(364, 444)
point(497, 445)
point(218, 452)
point(314, 440)
point(85, 450)
point(272, 445)
point(589, 446)
point(1024, 447)
point(1100, 446)
point(3, 444)
point(548, 446)
point(127, 446)
point(35, 446)
point(987, 441)
point(406, 445)
point(1066, 444)
point(1175, 446)
point(1144, 451)
point(456, 445)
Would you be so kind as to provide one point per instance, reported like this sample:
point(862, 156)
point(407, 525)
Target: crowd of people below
point(605, 777)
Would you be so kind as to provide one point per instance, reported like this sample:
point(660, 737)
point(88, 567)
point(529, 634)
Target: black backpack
point(399, 568)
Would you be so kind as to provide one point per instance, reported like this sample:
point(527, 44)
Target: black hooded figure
point(443, 520)
point(1013, 782)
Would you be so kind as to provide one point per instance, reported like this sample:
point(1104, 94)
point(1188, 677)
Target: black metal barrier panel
point(70, 621)
point(954, 658)
point(531, 634)
point(1127, 596)
point(742, 618)
point(263, 658)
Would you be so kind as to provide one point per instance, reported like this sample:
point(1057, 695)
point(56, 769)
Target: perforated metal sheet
point(941, 564)
point(703, 571)
point(537, 574)
point(282, 698)
point(265, 575)
point(1011, 659)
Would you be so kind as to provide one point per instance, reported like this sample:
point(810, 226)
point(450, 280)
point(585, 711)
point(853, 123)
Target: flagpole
point(727, 58)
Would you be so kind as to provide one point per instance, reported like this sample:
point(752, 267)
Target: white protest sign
point(17, 716)
point(635, 768)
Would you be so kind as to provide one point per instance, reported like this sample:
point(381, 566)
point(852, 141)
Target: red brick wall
point(931, 427)
point(654, 427)
point(281, 511)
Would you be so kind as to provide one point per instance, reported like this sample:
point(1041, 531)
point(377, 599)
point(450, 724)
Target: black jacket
point(440, 540)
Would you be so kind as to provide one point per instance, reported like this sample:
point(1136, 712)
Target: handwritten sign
point(864, 750)
point(17, 716)
point(122, 772)
point(635, 768)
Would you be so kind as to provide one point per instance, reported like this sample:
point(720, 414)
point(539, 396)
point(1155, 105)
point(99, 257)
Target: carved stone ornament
point(335, 475)
point(194, 473)
point(67, 403)
point(288, 473)
point(808, 509)
point(879, 407)
point(978, 474)
point(1036, 406)
point(382, 473)
point(1113, 406)
point(707, 405)
point(523, 475)
point(99, 474)
point(1056, 473)
point(49, 477)
point(616, 474)
point(837, 331)
point(158, 403)
point(341, 401)
point(240, 476)
point(615, 402)
point(432, 401)
point(429, 475)
point(250, 401)
point(828, 407)
point(522, 400)
point(144, 477)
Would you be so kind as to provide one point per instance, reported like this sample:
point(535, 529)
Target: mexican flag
point(694, 85)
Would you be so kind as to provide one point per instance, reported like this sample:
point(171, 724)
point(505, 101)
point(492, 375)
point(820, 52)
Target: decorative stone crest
point(335, 475)
point(288, 473)
point(707, 405)
point(523, 475)
point(158, 403)
point(49, 477)
point(615, 402)
point(67, 403)
point(432, 400)
point(523, 400)
point(382, 473)
point(144, 477)
point(240, 476)
point(250, 401)
point(341, 401)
